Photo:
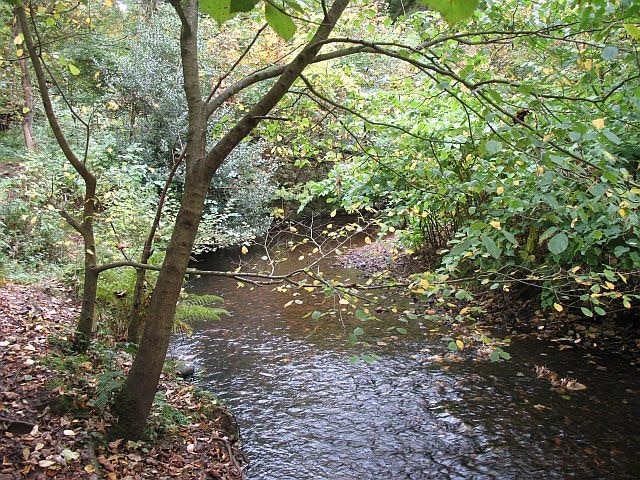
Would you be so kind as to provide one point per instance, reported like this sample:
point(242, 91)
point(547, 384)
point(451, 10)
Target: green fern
point(194, 308)
point(108, 383)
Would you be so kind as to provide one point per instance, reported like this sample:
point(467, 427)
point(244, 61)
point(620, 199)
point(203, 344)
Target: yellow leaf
point(598, 123)
point(244, 250)
point(424, 283)
point(310, 289)
point(464, 311)
point(240, 284)
point(547, 137)
point(459, 344)
point(89, 468)
point(495, 224)
point(622, 212)
point(367, 240)
point(288, 304)
point(333, 214)
point(293, 229)
point(500, 190)
point(343, 301)
point(25, 110)
point(301, 257)
point(19, 52)
point(540, 170)
point(18, 40)
point(558, 307)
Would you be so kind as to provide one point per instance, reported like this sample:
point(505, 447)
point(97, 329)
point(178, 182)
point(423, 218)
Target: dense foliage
point(513, 152)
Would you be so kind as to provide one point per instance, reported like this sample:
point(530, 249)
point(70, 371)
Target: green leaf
point(586, 312)
point(73, 69)
point(453, 11)
point(493, 147)
point(491, 246)
point(504, 355)
point(402, 331)
point(547, 233)
point(633, 30)
point(369, 358)
point(295, 5)
point(452, 346)
point(609, 53)
point(281, 23)
point(510, 237)
point(242, 5)
point(558, 243)
point(219, 10)
point(600, 311)
point(612, 136)
point(316, 315)
point(495, 356)
point(358, 331)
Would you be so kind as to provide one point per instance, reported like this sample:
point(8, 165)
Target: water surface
point(305, 412)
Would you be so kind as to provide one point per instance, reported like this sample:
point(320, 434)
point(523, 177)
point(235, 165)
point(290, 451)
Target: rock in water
point(185, 370)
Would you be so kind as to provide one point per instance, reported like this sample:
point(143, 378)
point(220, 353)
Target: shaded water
point(305, 412)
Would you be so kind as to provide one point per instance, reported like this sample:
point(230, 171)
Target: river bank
point(53, 414)
point(617, 333)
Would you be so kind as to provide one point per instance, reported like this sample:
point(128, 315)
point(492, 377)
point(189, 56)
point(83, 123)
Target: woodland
point(494, 144)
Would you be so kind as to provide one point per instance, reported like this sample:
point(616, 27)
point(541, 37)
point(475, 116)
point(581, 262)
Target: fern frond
point(193, 308)
point(193, 299)
point(199, 313)
point(108, 383)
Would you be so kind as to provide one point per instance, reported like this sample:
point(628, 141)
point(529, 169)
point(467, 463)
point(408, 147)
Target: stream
point(306, 412)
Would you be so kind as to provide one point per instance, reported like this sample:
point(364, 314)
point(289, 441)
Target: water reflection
point(306, 413)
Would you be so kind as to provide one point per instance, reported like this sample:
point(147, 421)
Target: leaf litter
point(52, 428)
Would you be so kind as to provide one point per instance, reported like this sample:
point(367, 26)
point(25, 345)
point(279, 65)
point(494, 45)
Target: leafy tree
point(202, 161)
point(511, 150)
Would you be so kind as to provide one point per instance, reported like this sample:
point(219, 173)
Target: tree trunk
point(86, 322)
point(85, 226)
point(27, 94)
point(135, 399)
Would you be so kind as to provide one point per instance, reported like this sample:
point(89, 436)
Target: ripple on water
point(306, 413)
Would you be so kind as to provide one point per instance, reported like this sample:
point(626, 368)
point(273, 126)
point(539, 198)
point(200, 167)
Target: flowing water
point(306, 412)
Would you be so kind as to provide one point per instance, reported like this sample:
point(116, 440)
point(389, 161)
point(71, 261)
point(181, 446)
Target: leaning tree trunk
point(134, 401)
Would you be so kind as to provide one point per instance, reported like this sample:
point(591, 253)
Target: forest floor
point(53, 420)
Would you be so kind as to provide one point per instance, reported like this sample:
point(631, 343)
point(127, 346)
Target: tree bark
point(27, 95)
point(135, 399)
point(85, 324)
